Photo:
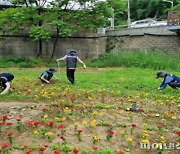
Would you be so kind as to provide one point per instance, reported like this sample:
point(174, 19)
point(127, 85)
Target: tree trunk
point(55, 43)
point(40, 41)
point(40, 48)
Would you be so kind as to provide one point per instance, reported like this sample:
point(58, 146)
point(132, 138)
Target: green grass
point(124, 82)
point(140, 59)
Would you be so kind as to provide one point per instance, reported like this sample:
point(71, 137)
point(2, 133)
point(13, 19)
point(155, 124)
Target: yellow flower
point(93, 123)
point(76, 123)
point(145, 124)
point(89, 98)
point(122, 132)
point(166, 112)
point(145, 131)
point(173, 117)
point(63, 118)
point(164, 120)
point(171, 97)
point(107, 106)
point(153, 102)
point(145, 141)
point(57, 119)
point(45, 116)
point(129, 139)
point(162, 138)
point(96, 138)
point(145, 134)
point(84, 123)
point(128, 109)
point(95, 113)
point(130, 100)
point(49, 134)
point(115, 114)
point(36, 132)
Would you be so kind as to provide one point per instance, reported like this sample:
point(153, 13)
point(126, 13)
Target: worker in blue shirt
point(5, 78)
point(47, 75)
point(169, 79)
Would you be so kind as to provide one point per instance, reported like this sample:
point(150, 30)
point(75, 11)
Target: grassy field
point(121, 81)
point(92, 116)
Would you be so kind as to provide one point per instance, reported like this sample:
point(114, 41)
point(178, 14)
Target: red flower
point(119, 107)
point(79, 131)
point(57, 152)
point(133, 125)
point(160, 126)
point(62, 137)
point(95, 148)
point(121, 152)
point(4, 117)
point(18, 119)
point(72, 97)
point(50, 124)
point(25, 146)
point(29, 151)
point(44, 109)
point(36, 123)
point(172, 112)
point(42, 149)
point(50, 105)
point(110, 132)
point(9, 123)
point(20, 115)
point(4, 146)
point(178, 133)
point(60, 126)
point(9, 134)
point(75, 151)
point(1, 123)
point(141, 110)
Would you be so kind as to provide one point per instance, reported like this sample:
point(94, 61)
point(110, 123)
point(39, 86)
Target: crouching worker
point(47, 75)
point(5, 78)
point(168, 79)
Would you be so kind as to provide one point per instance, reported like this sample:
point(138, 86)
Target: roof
point(5, 3)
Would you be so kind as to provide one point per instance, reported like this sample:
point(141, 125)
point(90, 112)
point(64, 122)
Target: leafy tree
point(41, 18)
point(141, 9)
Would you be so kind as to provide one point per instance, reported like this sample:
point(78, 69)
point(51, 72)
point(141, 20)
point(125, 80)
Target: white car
point(147, 23)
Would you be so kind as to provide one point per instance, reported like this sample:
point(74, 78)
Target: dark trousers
point(174, 85)
point(70, 75)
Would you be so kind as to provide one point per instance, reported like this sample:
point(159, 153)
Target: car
point(147, 23)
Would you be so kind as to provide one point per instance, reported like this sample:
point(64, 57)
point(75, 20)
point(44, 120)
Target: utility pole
point(168, 2)
point(129, 19)
point(112, 19)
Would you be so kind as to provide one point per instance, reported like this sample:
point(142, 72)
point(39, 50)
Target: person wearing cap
point(169, 79)
point(5, 78)
point(71, 61)
point(47, 75)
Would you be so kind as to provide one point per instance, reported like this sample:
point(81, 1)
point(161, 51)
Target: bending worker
point(47, 75)
point(169, 79)
point(71, 61)
point(5, 78)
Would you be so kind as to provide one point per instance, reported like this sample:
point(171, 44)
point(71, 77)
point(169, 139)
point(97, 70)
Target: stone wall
point(91, 45)
point(150, 38)
point(22, 46)
point(146, 42)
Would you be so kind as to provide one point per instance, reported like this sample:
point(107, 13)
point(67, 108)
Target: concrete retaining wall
point(91, 45)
